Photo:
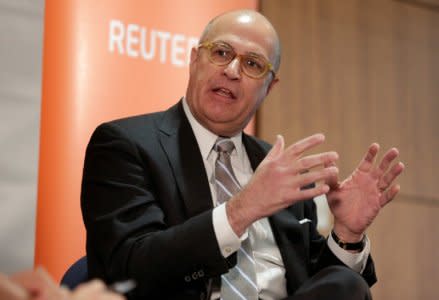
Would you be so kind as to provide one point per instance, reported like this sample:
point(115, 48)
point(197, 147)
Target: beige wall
point(363, 71)
point(21, 33)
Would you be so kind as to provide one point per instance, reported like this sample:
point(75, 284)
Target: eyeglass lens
point(252, 65)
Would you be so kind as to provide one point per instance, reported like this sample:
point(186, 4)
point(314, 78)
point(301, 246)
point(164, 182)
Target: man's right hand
point(279, 180)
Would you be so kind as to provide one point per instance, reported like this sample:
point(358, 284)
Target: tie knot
point(224, 145)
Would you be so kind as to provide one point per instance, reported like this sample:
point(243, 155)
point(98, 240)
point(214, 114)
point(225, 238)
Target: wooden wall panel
point(364, 71)
point(404, 240)
point(360, 71)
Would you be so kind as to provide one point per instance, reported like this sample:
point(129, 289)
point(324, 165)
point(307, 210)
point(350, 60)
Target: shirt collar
point(206, 139)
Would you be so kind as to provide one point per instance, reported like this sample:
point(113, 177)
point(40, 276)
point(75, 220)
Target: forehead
point(245, 37)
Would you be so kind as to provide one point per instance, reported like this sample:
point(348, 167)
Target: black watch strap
point(349, 246)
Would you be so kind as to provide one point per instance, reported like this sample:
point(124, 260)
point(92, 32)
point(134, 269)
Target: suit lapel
point(255, 151)
point(181, 148)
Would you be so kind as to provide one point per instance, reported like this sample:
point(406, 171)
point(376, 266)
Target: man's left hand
point(357, 200)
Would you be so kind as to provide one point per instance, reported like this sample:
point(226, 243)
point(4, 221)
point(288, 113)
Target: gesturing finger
point(311, 161)
point(388, 195)
point(385, 162)
point(368, 160)
point(296, 149)
point(390, 176)
point(306, 179)
point(277, 148)
point(332, 181)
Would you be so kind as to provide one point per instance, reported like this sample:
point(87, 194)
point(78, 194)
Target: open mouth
point(224, 92)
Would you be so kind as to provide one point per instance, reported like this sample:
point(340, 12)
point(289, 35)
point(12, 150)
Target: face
point(222, 98)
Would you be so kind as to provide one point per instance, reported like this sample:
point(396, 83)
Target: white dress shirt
point(270, 270)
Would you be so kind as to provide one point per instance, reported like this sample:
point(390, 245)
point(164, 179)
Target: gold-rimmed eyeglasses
point(253, 65)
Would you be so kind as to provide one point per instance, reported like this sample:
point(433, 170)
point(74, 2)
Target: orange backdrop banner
point(103, 60)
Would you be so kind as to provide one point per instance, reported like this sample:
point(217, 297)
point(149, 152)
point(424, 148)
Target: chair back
point(76, 274)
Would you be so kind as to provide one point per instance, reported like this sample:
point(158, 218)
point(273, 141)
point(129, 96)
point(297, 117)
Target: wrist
point(356, 246)
point(347, 235)
point(236, 216)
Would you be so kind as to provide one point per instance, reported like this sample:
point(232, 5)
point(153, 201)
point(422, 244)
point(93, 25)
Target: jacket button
point(187, 278)
point(200, 273)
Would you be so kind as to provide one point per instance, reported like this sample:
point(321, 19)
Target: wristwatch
point(359, 246)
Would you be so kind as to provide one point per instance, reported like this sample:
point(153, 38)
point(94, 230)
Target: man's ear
point(271, 85)
point(194, 55)
point(193, 58)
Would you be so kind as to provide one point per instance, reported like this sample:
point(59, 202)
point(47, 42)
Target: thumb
point(278, 148)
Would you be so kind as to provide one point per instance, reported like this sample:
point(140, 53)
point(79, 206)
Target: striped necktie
point(240, 281)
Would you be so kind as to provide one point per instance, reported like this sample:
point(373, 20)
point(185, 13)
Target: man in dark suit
point(150, 195)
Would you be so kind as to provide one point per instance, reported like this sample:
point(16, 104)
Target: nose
point(233, 69)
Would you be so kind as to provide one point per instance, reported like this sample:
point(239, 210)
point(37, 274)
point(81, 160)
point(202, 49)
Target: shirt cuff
point(355, 261)
point(227, 239)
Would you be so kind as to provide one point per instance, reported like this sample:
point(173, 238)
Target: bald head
point(223, 97)
point(249, 19)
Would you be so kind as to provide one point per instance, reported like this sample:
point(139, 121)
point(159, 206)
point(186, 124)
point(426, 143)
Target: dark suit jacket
point(147, 209)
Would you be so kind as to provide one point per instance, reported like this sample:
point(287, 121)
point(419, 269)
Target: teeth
point(225, 92)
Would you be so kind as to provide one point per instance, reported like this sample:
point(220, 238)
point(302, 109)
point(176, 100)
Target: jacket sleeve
point(322, 256)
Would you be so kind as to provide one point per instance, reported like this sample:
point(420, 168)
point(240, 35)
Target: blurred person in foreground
point(38, 285)
point(191, 207)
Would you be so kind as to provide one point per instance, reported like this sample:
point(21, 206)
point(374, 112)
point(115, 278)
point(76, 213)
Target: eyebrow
point(254, 54)
point(247, 53)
